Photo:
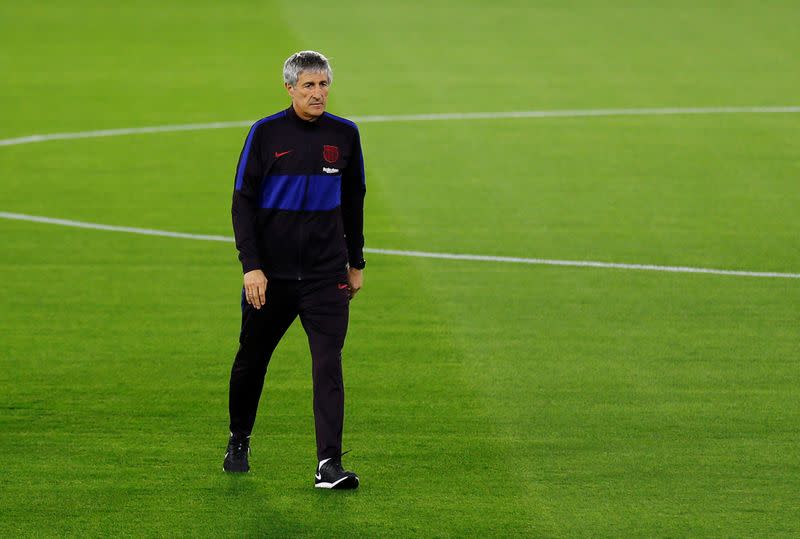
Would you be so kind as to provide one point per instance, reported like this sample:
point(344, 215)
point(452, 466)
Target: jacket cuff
point(250, 264)
point(357, 262)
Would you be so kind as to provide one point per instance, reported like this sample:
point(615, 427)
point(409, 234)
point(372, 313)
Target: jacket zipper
point(303, 220)
point(302, 232)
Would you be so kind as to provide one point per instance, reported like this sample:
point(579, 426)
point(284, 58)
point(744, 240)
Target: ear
point(289, 88)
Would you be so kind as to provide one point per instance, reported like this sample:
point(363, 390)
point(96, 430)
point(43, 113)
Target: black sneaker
point(236, 457)
point(332, 475)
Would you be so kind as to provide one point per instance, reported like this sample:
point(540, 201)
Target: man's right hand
point(255, 288)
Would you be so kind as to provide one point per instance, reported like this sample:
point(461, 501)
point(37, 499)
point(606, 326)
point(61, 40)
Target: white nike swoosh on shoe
point(333, 485)
point(318, 476)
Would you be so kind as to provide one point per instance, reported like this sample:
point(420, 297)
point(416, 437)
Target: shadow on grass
point(251, 505)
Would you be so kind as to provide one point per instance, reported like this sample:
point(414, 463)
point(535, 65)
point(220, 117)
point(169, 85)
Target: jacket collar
point(292, 115)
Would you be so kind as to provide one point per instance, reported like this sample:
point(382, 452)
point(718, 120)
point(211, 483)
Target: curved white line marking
point(112, 228)
point(122, 131)
point(416, 118)
point(417, 254)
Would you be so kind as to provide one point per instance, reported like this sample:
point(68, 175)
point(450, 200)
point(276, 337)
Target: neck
point(302, 116)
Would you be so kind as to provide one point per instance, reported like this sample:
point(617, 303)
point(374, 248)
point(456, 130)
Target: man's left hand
point(355, 280)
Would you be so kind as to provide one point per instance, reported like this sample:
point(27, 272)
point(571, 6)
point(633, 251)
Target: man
point(298, 207)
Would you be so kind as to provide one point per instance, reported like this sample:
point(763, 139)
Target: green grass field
point(483, 399)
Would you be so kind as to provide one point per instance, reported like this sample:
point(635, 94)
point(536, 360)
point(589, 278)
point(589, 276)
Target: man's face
point(310, 94)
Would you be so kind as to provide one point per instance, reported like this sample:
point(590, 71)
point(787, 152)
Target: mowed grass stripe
point(614, 391)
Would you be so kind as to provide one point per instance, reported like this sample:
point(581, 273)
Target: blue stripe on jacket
point(246, 152)
point(340, 119)
point(319, 192)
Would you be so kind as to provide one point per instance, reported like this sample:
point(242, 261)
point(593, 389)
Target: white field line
point(122, 131)
point(112, 228)
point(417, 118)
point(417, 254)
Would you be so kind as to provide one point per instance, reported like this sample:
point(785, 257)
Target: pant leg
point(261, 331)
point(324, 312)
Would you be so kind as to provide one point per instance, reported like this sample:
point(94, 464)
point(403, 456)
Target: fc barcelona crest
point(330, 153)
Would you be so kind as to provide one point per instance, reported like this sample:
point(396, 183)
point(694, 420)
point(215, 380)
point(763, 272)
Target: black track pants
point(323, 307)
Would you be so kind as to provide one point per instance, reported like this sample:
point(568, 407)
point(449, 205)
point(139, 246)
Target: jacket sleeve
point(246, 194)
point(354, 188)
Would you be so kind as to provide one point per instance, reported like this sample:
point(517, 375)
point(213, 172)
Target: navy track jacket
point(298, 202)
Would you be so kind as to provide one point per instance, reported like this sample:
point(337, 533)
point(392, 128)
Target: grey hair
point(305, 61)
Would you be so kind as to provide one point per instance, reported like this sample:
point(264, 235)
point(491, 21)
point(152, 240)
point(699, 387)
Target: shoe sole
point(345, 483)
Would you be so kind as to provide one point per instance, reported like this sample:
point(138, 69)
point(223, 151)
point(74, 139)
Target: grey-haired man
point(298, 206)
